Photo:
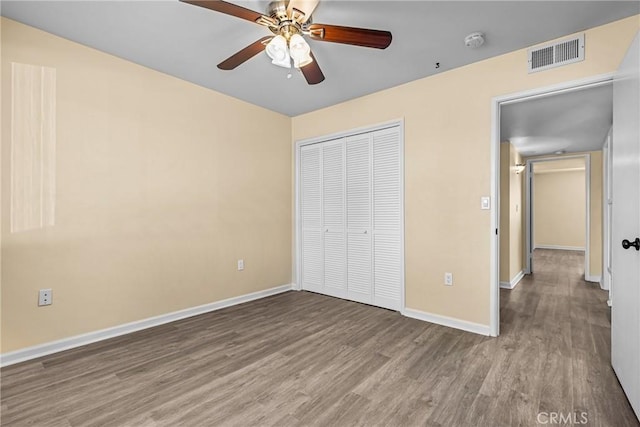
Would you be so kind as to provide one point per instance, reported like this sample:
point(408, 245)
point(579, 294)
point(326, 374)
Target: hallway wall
point(559, 210)
point(511, 217)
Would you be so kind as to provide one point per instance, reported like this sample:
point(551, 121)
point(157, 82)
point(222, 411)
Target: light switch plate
point(240, 264)
point(485, 203)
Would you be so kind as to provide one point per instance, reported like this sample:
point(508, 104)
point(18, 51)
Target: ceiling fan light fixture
point(300, 51)
point(288, 21)
point(277, 50)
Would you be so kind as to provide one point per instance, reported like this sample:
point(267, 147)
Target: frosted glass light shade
point(300, 51)
point(278, 52)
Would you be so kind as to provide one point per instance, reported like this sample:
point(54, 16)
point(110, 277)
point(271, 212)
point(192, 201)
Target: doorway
point(554, 107)
point(558, 207)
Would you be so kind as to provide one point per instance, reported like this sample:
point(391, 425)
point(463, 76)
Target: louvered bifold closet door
point(358, 185)
point(312, 252)
point(387, 219)
point(333, 195)
point(351, 216)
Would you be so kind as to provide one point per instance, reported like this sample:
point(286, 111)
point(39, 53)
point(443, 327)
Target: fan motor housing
point(277, 10)
point(287, 25)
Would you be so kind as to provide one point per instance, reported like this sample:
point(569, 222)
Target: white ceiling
point(188, 41)
point(572, 122)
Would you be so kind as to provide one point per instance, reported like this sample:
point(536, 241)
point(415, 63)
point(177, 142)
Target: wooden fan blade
point(350, 35)
point(312, 72)
point(233, 10)
point(301, 10)
point(245, 54)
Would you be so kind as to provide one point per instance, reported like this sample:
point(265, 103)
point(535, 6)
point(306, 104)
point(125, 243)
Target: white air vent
point(556, 54)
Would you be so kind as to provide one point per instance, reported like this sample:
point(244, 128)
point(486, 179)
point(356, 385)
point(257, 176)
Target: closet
point(350, 217)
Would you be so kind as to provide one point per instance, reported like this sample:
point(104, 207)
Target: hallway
point(555, 327)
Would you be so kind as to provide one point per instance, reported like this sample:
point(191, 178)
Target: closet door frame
point(298, 220)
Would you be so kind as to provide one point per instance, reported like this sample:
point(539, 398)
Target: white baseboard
point(562, 248)
point(602, 284)
point(450, 322)
point(40, 350)
point(594, 279)
point(512, 284)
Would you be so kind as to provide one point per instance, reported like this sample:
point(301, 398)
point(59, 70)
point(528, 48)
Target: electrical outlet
point(240, 264)
point(448, 279)
point(45, 297)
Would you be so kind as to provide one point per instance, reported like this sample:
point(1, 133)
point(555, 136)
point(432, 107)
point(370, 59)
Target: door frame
point(530, 219)
point(297, 285)
point(496, 103)
point(607, 201)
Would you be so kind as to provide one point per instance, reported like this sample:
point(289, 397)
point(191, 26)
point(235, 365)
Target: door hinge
point(496, 231)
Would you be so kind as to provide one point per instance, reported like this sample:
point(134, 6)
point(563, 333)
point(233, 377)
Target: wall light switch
point(240, 264)
point(485, 203)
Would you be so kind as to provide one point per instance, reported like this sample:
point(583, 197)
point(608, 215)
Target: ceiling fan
point(290, 21)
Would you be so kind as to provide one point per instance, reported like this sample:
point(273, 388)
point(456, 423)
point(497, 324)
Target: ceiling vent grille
point(556, 54)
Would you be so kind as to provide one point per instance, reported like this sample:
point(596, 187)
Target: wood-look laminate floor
point(304, 359)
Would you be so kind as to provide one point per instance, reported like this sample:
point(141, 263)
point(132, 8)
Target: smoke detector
point(474, 40)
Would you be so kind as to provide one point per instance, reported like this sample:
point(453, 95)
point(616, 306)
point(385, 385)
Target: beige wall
point(447, 121)
point(161, 186)
point(511, 217)
point(559, 209)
